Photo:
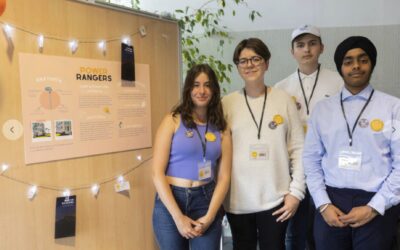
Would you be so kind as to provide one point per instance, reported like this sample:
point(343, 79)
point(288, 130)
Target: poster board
point(74, 107)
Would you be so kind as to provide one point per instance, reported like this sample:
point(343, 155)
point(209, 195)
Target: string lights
point(121, 184)
point(95, 189)
point(40, 42)
point(102, 46)
point(7, 31)
point(126, 40)
point(4, 167)
point(32, 192)
point(73, 44)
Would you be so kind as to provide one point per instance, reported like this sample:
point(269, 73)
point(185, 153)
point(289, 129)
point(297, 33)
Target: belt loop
point(203, 188)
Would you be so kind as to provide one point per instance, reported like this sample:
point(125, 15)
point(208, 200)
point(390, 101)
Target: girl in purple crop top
point(192, 166)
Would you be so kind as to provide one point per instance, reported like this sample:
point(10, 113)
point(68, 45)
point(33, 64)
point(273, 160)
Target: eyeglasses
point(255, 60)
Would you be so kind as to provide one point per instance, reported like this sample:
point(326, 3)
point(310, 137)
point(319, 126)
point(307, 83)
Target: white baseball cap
point(306, 29)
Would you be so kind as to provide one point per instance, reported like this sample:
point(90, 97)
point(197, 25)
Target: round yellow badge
point(377, 125)
point(254, 154)
point(210, 136)
point(278, 119)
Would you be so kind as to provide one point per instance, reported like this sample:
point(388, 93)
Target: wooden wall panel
point(110, 221)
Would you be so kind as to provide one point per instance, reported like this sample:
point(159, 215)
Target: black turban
point(354, 42)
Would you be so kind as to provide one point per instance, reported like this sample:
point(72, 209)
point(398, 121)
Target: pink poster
point(74, 107)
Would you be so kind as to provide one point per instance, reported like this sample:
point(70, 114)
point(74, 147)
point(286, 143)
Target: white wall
point(338, 19)
point(386, 76)
point(286, 14)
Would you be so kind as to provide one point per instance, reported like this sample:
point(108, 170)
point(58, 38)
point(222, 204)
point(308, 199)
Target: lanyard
point(358, 117)
point(251, 112)
point(203, 143)
point(312, 91)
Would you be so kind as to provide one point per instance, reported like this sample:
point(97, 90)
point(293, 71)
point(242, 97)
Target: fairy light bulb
point(95, 189)
point(73, 46)
point(126, 40)
point(66, 193)
point(4, 167)
point(40, 42)
point(102, 46)
point(8, 31)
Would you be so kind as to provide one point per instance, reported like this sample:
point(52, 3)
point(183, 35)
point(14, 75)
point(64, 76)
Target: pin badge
point(189, 133)
point(210, 136)
point(278, 119)
point(298, 105)
point(377, 125)
point(272, 125)
point(363, 123)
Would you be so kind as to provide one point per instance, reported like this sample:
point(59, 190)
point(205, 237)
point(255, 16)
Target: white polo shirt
point(329, 83)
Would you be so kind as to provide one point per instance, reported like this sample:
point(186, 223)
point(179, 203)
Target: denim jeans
point(299, 233)
point(194, 203)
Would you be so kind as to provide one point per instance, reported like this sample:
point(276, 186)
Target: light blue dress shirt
point(327, 135)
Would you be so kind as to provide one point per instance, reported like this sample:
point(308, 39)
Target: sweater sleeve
point(295, 141)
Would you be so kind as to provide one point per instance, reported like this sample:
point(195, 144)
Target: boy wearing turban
point(352, 157)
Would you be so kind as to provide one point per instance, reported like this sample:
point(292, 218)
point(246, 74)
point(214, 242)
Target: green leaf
point(209, 20)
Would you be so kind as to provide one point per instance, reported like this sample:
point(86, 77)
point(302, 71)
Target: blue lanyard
point(203, 143)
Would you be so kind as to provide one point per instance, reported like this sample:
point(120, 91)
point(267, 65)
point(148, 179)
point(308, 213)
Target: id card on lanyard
point(349, 157)
point(204, 170)
point(258, 152)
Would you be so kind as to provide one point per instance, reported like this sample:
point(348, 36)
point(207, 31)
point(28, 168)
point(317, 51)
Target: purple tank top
point(187, 152)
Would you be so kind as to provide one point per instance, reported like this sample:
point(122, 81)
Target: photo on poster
point(65, 217)
point(41, 131)
point(63, 130)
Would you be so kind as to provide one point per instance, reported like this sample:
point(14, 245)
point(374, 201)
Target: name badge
point(204, 170)
point(350, 159)
point(258, 152)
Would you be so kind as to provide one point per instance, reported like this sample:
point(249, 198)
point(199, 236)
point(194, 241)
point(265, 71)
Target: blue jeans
point(299, 233)
point(194, 203)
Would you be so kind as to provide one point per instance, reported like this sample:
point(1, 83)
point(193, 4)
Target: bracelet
point(323, 207)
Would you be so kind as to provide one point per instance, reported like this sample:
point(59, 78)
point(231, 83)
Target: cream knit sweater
point(258, 185)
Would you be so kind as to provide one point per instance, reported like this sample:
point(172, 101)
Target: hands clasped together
point(357, 217)
point(190, 229)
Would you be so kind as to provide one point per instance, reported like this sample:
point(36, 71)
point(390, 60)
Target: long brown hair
point(215, 114)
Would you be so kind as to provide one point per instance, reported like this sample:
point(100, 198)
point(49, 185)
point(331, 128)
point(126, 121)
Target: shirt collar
point(312, 75)
point(364, 94)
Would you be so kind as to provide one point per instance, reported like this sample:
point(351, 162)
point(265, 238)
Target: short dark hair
point(302, 35)
point(255, 44)
point(215, 114)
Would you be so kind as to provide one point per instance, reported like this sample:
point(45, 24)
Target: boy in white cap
point(309, 84)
